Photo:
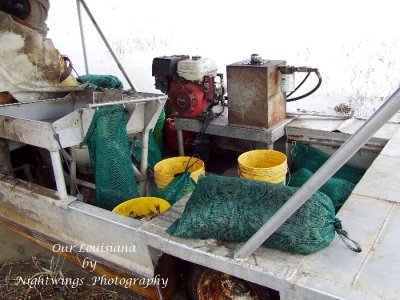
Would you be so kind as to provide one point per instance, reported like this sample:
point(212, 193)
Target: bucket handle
point(289, 176)
point(187, 164)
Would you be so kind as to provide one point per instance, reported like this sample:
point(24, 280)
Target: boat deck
point(371, 215)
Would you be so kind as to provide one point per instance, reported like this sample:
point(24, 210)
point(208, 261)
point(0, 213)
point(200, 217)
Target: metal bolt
point(256, 59)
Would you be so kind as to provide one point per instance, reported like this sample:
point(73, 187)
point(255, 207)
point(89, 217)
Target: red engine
point(187, 99)
point(190, 83)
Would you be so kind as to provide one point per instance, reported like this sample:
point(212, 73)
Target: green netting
point(304, 156)
point(182, 185)
point(154, 155)
point(338, 190)
point(101, 81)
point(109, 149)
point(233, 209)
point(159, 131)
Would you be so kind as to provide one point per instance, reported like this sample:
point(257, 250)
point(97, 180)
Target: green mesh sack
point(233, 209)
point(109, 150)
point(159, 131)
point(338, 190)
point(182, 185)
point(101, 81)
point(154, 155)
point(305, 156)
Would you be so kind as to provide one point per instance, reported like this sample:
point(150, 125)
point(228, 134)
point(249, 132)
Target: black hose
point(310, 92)
point(297, 87)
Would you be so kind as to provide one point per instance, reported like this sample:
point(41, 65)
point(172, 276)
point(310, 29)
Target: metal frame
point(70, 118)
point(121, 68)
point(220, 127)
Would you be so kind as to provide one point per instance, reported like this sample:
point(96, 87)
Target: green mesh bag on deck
point(338, 190)
point(182, 185)
point(233, 209)
point(305, 156)
point(109, 149)
point(101, 81)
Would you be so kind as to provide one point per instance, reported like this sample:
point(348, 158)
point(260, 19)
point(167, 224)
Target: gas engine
point(192, 84)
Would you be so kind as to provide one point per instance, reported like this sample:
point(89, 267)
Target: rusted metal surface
point(5, 159)
point(75, 223)
point(254, 94)
point(166, 269)
point(221, 286)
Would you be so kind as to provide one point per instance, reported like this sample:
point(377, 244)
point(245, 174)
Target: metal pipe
point(181, 147)
point(334, 163)
point(107, 44)
point(72, 187)
point(127, 101)
point(78, 7)
point(136, 171)
point(144, 161)
point(58, 174)
point(86, 184)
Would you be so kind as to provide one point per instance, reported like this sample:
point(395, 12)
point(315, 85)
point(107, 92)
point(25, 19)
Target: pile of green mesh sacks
point(233, 209)
point(337, 189)
point(306, 160)
point(305, 156)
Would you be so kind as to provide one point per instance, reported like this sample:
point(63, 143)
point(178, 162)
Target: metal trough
point(55, 124)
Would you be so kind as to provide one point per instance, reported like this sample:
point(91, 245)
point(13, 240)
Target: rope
point(345, 238)
point(187, 168)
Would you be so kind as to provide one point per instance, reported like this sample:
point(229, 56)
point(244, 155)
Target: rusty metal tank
point(254, 92)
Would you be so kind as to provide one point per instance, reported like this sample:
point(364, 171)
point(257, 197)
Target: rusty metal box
point(254, 93)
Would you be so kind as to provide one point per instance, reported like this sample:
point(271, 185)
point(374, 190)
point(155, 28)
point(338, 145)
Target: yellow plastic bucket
point(263, 165)
point(143, 207)
point(165, 170)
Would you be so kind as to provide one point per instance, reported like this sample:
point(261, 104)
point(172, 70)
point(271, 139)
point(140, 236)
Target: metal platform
point(221, 127)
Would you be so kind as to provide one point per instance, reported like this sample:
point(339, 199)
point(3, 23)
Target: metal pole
point(334, 163)
point(126, 101)
point(181, 147)
point(78, 7)
point(107, 45)
point(58, 174)
point(144, 161)
point(72, 187)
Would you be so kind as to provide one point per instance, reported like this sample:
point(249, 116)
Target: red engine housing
point(188, 99)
